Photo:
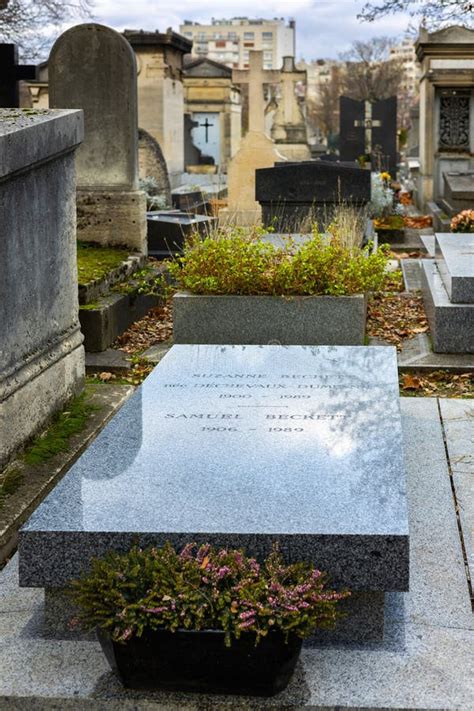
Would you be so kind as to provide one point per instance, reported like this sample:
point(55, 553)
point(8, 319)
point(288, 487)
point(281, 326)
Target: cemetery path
point(425, 661)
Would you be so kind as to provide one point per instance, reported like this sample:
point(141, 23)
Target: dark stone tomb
point(167, 231)
point(293, 195)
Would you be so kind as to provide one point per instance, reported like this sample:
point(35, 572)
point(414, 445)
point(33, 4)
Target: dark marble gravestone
point(294, 194)
point(10, 74)
point(369, 129)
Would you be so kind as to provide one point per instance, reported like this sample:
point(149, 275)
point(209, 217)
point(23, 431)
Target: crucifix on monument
point(206, 125)
point(255, 77)
point(368, 123)
point(10, 74)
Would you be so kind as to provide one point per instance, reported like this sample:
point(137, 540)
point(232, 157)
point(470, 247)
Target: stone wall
point(41, 353)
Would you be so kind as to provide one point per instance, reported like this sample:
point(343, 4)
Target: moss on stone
point(94, 261)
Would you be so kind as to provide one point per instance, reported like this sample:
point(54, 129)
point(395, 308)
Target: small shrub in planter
point(203, 619)
point(242, 264)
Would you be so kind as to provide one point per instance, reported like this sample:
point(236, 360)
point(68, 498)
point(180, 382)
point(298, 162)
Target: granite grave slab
point(244, 446)
point(455, 259)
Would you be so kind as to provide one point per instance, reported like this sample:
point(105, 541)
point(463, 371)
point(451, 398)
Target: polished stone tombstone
point(245, 446)
point(448, 293)
point(293, 195)
point(41, 352)
point(369, 129)
point(93, 67)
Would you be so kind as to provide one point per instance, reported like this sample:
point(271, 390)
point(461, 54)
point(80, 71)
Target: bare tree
point(431, 13)
point(30, 24)
point(323, 110)
point(370, 73)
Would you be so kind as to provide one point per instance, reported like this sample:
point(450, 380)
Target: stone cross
point(256, 76)
point(368, 123)
point(10, 74)
point(290, 75)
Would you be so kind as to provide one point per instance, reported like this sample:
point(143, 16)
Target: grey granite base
point(455, 260)
point(451, 325)
point(242, 446)
point(424, 664)
point(260, 320)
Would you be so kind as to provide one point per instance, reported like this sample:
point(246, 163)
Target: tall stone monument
point(446, 108)
point(160, 92)
point(289, 125)
point(41, 352)
point(257, 150)
point(93, 68)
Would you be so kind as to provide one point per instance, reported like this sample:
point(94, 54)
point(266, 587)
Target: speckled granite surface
point(425, 662)
point(243, 446)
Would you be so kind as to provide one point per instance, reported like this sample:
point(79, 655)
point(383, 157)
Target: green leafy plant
point(241, 263)
point(200, 589)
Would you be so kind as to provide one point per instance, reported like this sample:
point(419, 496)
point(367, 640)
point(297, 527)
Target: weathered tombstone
point(256, 150)
point(93, 67)
point(369, 128)
point(289, 126)
point(10, 74)
point(246, 446)
point(294, 195)
point(152, 164)
point(41, 353)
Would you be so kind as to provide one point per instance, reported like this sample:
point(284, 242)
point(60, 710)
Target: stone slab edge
point(35, 139)
point(39, 480)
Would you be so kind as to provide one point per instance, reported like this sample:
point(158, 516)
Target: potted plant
point(463, 221)
point(203, 620)
point(388, 216)
point(235, 287)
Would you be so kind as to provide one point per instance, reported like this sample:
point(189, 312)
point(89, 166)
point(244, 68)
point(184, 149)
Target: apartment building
point(404, 53)
point(230, 41)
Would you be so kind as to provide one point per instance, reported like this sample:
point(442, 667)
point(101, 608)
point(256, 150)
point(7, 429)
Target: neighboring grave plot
point(41, 353)
point(245, 446)
point(93, 67)
point(294, 195)
point(448, 293)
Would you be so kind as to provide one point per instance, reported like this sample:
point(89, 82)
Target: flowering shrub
point(200, 589)
point(243, 264)
point(381, 200)
point(463, 221)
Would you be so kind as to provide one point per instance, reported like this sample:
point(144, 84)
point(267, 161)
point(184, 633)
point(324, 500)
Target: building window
point(267, 36)
point(454, 120)
point(249, 35)
point(268, 55)
point(267, 65)
point(232, 35)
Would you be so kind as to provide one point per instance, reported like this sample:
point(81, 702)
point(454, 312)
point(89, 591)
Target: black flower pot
point(200, 662)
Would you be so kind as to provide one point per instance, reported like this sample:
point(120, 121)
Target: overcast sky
point(324, 28)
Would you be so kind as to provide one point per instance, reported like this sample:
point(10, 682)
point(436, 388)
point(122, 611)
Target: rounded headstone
point(92, 67)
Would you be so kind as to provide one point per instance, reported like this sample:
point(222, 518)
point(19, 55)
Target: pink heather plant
point(201, 589)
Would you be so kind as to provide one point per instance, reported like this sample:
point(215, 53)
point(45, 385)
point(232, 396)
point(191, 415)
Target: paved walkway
point(425, 662)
